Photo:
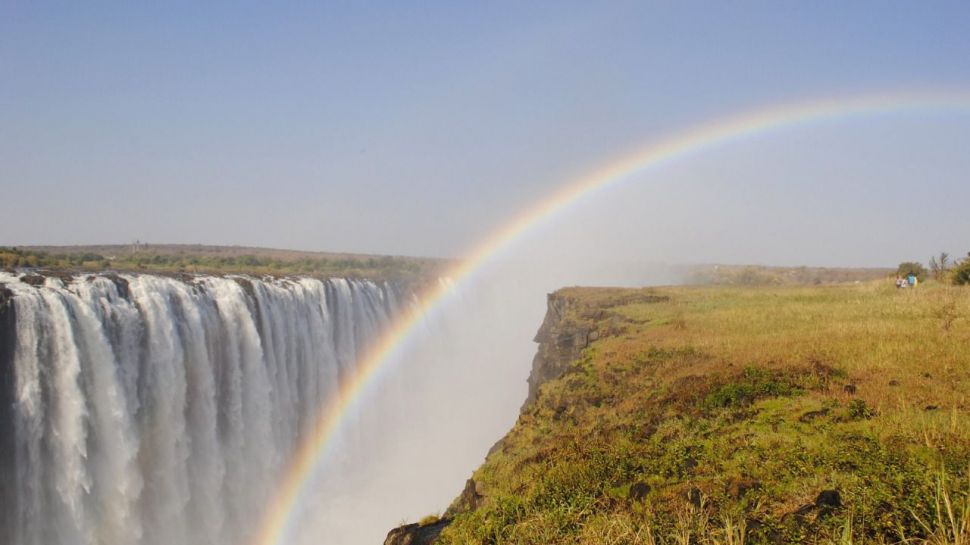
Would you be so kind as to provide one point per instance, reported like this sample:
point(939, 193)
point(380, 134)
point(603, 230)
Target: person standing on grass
point(911, 280)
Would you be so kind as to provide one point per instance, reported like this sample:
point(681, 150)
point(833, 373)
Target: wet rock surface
point(7, 468)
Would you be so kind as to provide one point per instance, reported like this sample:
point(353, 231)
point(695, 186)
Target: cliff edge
point(715, 415)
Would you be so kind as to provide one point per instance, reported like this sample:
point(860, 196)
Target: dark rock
point(695, 497)
point(8, 473)
point(931, 408)
point(469, 499)
point(120, 283)
point(247, 286)
point(894, 382)
point(416, 534)
point(849, 388)
point(35, 280)
point(927, 375)
point(827, 501)
point(638, 491)
point(6, 297)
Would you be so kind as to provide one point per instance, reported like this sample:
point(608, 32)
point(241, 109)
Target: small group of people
point(909, 281)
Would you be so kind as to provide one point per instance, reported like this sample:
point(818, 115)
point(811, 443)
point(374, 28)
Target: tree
point(961, 272)
point(940, 265)
point(907, 268)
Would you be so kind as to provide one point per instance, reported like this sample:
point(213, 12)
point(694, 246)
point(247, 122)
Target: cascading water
point(151, 410)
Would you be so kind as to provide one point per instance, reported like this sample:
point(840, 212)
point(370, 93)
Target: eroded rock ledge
point(416, 534)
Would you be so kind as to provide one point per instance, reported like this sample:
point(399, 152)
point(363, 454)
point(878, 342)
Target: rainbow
point(313, 450)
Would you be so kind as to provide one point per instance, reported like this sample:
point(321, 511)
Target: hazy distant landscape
point(195, 259)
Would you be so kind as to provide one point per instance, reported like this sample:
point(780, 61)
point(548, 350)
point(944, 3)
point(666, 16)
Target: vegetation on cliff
point(830, 414)
point(194, 259)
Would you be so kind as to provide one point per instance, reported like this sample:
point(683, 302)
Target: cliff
point(733, 415)
point(7, 493)
point(569, 326)
point(561, 339)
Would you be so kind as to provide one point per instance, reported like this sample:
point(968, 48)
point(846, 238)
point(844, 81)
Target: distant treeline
point(372, 267)
point(943, 268)
point(753, 275)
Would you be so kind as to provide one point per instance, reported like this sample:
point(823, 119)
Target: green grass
point(729, 409)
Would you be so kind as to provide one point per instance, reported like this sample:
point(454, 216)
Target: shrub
point(907, 268)
point(858, 409)
point(961, 273)
point(754, 383)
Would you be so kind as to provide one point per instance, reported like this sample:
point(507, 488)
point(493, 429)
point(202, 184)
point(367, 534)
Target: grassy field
point(193, 258)
point(729, 415)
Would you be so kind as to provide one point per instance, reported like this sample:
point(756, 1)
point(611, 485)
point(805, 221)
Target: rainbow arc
point(314, 449)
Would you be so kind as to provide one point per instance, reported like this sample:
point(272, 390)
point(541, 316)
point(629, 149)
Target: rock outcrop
point(561, 341)
point(416, 534)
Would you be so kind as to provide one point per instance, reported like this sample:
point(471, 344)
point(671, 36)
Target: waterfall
point(152, 410)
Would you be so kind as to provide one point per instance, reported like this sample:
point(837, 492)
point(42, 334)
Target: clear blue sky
point(416, 128)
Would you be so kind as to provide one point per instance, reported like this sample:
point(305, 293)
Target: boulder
point(639, 491)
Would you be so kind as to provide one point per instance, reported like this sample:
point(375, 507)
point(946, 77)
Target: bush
point(907, 268)
point(754, 383)
point(961, 273)
point(858, 409)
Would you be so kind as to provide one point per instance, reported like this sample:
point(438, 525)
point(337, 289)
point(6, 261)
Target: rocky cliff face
point(561, 338)
point(7, 333)
point(563, 335)
point(416, 534)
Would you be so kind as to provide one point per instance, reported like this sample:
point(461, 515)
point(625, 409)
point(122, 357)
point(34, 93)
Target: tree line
point(377, 266)
point(942, 268)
